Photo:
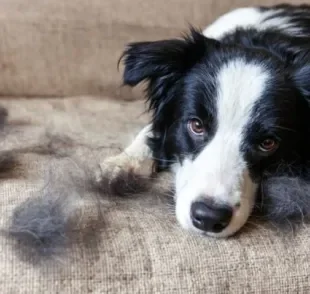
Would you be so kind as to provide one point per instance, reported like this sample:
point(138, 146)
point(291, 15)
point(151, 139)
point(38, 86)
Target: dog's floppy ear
point(158, 59)
point(162, 64)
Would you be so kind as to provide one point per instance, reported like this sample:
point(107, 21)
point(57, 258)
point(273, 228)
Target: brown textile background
point(56, 47)
point(141, 249)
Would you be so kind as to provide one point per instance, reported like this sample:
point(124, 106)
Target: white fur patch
point(238, 18)
point(249, 17)
point(219, 171)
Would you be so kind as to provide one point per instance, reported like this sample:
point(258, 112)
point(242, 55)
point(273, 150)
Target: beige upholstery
point(71, 48)
point(55, 47)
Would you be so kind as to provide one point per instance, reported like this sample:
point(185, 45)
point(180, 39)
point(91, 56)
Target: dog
point(229, 117)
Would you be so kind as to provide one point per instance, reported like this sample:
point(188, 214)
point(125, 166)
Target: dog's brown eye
point(195, 125)
point(268, 145)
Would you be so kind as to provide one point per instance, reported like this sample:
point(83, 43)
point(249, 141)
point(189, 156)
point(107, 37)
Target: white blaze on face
point(219, 171)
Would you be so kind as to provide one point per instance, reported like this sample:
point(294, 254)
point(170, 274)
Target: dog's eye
point(268, 145)
point(196, 127)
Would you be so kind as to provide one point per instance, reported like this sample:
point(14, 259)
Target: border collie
point(230, 117)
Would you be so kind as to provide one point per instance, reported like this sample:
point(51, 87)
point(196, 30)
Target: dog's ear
point(159, 59)
point(162, 64)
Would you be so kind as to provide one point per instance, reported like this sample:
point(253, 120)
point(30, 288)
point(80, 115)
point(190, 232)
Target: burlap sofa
point(58, 62)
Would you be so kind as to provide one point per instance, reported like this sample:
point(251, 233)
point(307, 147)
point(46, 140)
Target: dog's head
point(223, 118)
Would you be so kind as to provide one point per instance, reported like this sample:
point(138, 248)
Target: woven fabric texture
point(140, 248)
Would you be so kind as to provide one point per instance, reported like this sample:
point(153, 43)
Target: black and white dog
point(230, 117)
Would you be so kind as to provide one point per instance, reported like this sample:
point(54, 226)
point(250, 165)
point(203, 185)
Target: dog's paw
point(123, 175)
point(113, 166)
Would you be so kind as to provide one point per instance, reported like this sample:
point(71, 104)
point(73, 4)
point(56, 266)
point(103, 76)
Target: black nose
point(210, 217)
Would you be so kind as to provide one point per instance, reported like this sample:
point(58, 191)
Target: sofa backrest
point(65, 48)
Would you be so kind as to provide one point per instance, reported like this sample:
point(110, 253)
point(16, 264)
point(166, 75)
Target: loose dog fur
point(69, 209)
point(230, 118)
point(48, 224)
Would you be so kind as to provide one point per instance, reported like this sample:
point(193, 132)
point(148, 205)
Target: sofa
point(59, 74)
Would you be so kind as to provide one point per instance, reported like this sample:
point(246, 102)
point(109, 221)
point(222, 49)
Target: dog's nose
point(210, 217)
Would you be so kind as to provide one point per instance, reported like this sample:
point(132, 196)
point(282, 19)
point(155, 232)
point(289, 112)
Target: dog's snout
point(210, 217)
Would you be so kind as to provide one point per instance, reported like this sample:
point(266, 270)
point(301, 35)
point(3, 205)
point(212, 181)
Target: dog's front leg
point(130, 171)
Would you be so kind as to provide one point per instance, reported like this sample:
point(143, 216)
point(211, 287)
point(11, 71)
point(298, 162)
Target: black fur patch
point(125, 184)
point(285, 200)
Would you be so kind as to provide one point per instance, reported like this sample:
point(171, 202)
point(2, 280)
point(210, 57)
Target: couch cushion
point(56, 47)
point(140, 248)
